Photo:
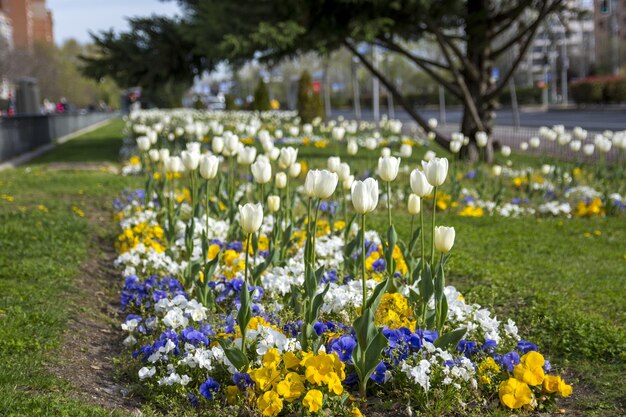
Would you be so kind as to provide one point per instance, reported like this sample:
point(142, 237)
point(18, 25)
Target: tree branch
point(441, 140)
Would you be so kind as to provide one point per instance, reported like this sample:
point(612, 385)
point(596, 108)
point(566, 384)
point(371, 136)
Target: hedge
point(599, 90)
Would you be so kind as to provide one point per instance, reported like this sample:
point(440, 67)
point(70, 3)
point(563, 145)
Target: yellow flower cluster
point(292, 377)
point(134, 160)
point(487, 369)
point(593, 208)
point(394, 312)
point(150, 235)
point(471, 211)
point(444, 201)
point(232, 262)
point(515, 392)
point(398, 259)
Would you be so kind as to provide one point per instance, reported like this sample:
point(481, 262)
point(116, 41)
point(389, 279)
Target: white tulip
point(280, 180)
point(174, 164)
point(171, 137)
point(208, 166)
point(320, 183)
point(261, 171)
point(347, 183)
point(371, 144)
point(217, 145)
point(414, 204)
point(294, 131)
point(152, 136)
point(307, 129)
point(575, 145)
point(338, 132)
point(419, 183)
point(278, 134)
point(388, 167)
point(190, 160)
point(246, 155)
point(287, 157)
point(273, 203)
point(496, 170)
point(143, 143)
point(406, 150)
point(385, 152)
point(455, 146)
point(353, 147)
point(444, 238)
point(523, 146)
point(505, 151)
point(295, 169)
point(154, 155)
point(251, 217)
point(436, 171)
point(432, 123)
point(275, 154)
point(431, 136)
point(164, 154)
point(343, 172)
point(333, 163)
point(588, 149)
point(429, 155)
point(231, 145)
point(481, 139)
point(264, 136)
point(364, 195)
point(534, 142)
point(546, 169)
point(193, 147)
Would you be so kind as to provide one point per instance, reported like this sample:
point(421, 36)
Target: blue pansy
point(343, 347)
point(243, 381)
point(379, 373)
point(209, 388)
point(525, 346)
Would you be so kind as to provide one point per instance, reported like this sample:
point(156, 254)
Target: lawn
point(562, 280)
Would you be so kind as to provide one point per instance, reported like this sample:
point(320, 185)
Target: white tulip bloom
point(217, 145)
point(455, 146)
point(365, 195)
point(274, 154)
point(523, 146)
point(280, 180)
point(294, 131)
point(287, 157)
point(338, 132)
point(333, 163)
point(343, 172)
point(273, 203)
point(353, 147)
point(384, 152)
point(154, 155)
point(406, 150)
point(261, 171)
point(190, 160)
point(414, 204)
point(251, 217)
point(246, 155)
point(436, 171)
point(481, 139)
point(534, 142)
point(505, 151)
point(143, 143)
point(419, 183)
point(295, 170)
point(320, 183)
point(371, 144)
point(588, 149)
point(575, 145)
point(307, 129)
point(174, 164)
point(496, 170)
point(208, 166)
point(429, 155)
point(347, 183)
point(388, 167)
point(444, 238)
point(432, 123)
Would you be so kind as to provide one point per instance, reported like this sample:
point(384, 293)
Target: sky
point(75, 18)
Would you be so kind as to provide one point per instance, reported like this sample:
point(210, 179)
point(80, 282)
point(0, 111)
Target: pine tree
point(309, 102)
point(261, 97)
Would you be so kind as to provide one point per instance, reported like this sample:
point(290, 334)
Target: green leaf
point(373, 352)
point(234, 355)
point(450, 339)
point(425, 284)
point(374, 299)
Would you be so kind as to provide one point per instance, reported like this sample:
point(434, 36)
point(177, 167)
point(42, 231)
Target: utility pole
point(614, 37)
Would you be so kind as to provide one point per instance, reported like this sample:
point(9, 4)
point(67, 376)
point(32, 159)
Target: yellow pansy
point(270, 404)
point(265, 377)
point(231, 394)
point(514, 393)
point(214, 249)
point(556, 385)
point(313, 400)
point(530, 368)
point(271, 359)
point(291, 360)
point(292, 387)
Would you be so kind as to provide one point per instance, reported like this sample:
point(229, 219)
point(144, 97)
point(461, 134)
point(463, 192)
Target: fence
point(21, 134)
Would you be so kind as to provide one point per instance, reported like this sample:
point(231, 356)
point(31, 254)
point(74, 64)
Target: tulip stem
point(422, 238)
point(432, 250)
point(245, 288)
point(389, 202)
point(363, 262)
point(287, 201)
point(314, 234)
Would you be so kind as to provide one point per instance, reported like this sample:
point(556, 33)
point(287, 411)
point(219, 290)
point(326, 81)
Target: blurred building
point(31, 21)
point(6, 29)
point(610, 32)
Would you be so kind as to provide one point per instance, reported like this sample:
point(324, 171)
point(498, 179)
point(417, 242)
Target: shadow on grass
point(100, 145)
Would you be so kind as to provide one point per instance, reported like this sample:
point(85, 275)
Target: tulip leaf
point(373, 352)
point(450, 339)
point(234, 355)
point(374, 299)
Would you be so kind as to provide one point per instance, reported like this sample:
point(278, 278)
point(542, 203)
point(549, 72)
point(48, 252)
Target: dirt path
point(93, 338)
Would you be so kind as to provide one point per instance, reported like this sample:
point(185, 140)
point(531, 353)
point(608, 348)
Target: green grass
point(564, 289)
point(42, 249)
point(101, 145)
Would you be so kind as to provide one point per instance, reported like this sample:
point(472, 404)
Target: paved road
point(592, 120)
